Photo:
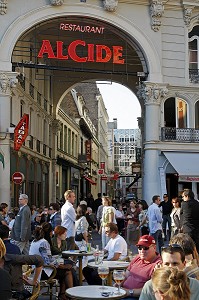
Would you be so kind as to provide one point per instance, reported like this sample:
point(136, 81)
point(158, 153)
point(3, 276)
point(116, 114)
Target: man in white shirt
point(68, 216)
point(154, 216)
point(116, 249)
point(116, 246)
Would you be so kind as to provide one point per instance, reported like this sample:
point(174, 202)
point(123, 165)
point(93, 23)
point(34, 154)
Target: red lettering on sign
point(103, 53)
point(46, 48)
point(60, 51)
point(72, 51)
point(100, 49)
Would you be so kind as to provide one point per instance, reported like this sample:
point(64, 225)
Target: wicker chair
point(49, 283)
point(33, 289)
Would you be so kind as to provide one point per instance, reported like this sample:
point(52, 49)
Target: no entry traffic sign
point(18, 177)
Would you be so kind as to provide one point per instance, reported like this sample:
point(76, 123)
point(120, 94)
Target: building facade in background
point(48, 47)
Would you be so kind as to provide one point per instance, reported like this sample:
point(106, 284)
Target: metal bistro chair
point(32, 289)
point(50, 283)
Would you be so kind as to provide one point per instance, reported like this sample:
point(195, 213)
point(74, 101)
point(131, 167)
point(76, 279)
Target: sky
point(120, 103)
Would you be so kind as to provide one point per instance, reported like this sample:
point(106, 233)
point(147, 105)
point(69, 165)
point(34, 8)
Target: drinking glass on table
point(118, 276)
point(101, 256)
point(103, 273)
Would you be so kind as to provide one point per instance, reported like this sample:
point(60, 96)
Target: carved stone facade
point(7, 82)
point(152, 93)
point(187, 15)
point(56, 2)
point(156, 10)
point(56, 126)
point(110, 5)
point(3, 7)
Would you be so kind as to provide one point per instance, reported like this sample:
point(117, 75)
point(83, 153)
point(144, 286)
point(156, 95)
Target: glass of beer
point(118, 276)
point(103, 273)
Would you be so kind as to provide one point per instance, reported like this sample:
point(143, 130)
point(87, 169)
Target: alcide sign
point(95, 53)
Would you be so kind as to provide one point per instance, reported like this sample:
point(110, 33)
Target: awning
point(90, 180)
point(183, 162)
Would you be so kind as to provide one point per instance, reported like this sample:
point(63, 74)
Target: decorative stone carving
point(56, 2)
point(7, 82)
point(3, 7)
point(110, 5)
point(187, 15)
point(56, 126)
point(152, 93)
point(156, 10)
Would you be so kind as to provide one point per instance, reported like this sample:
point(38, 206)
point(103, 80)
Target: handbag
point(79, 237)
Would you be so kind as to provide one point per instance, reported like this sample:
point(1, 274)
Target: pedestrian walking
point(21, 230)
point(166, 210)
point(154, 216)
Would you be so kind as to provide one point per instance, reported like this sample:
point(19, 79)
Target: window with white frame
point(193, 54)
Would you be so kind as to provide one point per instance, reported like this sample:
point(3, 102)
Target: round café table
point(79, 254)
point(111, 264)
point(94, 292)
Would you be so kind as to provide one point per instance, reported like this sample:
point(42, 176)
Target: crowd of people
point(164, 237)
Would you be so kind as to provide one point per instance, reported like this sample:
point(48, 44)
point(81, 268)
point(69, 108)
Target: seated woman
point(41, 246)
point(81, 231)
point(59, 240)
point(170, 284)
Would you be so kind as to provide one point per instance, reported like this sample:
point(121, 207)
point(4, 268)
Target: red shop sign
point(21, 132)
point(95, 53)
point(88, 150)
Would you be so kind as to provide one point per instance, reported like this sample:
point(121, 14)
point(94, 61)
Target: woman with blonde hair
point(170, 284)
point(108, 216)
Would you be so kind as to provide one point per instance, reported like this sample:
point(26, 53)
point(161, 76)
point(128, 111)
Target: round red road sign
point(18, 177)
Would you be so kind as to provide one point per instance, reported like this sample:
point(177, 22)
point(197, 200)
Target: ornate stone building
point(151, 47)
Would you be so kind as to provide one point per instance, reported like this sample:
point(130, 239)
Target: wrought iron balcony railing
point(183, 135)
point(194, 75)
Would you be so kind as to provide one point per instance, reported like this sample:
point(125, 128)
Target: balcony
point(194, 75)
point(181, 135)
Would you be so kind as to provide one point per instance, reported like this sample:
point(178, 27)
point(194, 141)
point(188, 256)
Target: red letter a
point(46, 48)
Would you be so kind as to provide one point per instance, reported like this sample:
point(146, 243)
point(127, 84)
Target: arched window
point(175, 113)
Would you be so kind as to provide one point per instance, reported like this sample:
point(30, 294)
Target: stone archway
point(34, 17)
point(46, 13)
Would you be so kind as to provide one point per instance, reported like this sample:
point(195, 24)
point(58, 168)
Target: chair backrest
point(32, 289)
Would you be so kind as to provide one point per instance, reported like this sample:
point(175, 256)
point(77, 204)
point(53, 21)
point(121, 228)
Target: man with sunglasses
point(141, 267)
point(172, 256)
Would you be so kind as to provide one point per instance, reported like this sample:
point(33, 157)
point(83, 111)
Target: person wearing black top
point(190, 216)
point(97, 202)
point(166, 210)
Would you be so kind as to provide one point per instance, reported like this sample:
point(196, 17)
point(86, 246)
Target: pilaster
point(152, 94)
point(8, 81)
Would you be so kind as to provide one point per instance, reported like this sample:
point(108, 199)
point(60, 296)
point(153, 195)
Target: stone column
point(56, 127)
point(152, 95)
point(7, 82)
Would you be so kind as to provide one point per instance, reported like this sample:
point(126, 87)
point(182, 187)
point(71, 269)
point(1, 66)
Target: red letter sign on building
point(21, 132)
